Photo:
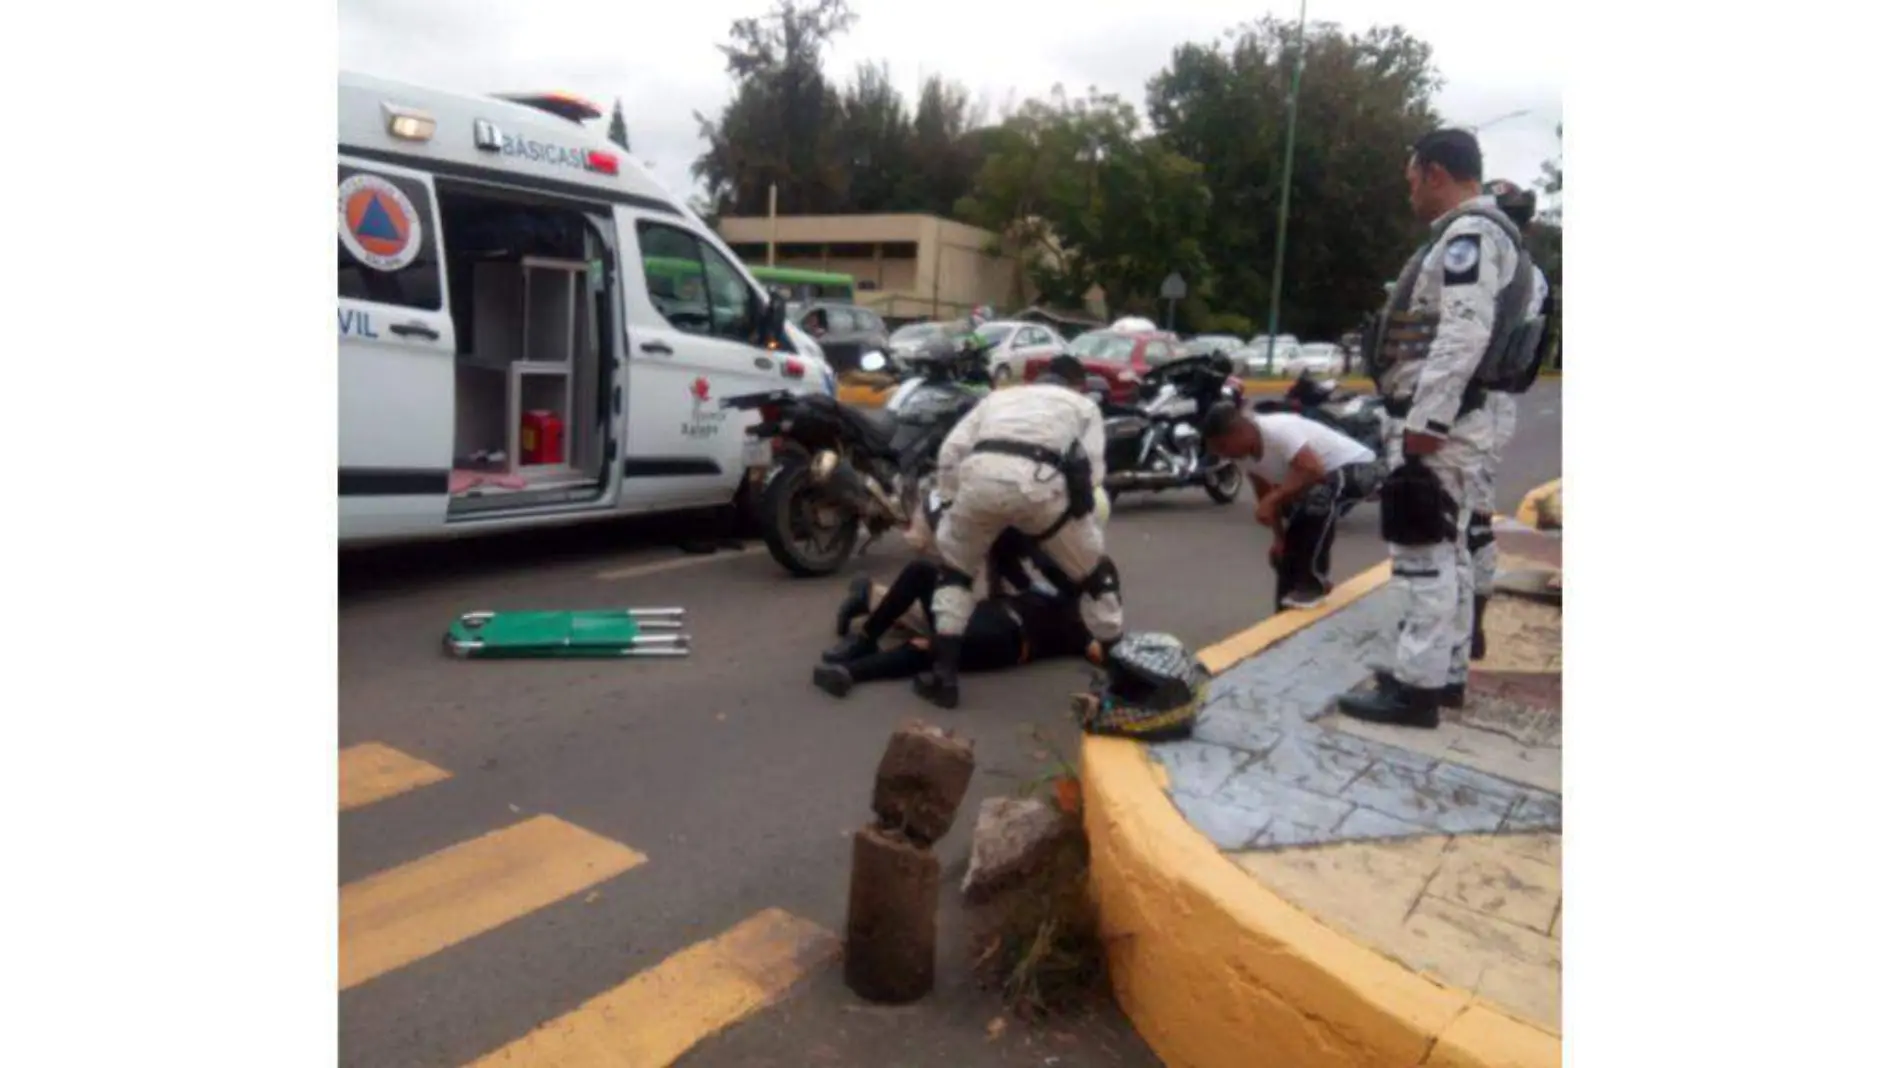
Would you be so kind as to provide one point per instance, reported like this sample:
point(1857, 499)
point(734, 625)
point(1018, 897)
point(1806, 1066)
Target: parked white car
point(1319, 357)
point(1253, 356)
point(1013, 344)
point(1209, 344)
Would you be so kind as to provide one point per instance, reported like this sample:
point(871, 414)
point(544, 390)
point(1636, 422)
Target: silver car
point(1013, 344)
point(906, 340)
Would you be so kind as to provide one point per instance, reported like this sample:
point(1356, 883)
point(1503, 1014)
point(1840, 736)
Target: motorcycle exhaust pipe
point(1141, 480)
point(841, 484)
point(883, 500)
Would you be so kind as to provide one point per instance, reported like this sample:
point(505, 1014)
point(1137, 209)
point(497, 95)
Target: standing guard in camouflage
point(1455, 324)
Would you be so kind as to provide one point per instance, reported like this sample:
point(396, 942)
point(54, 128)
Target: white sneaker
point(1304, 599)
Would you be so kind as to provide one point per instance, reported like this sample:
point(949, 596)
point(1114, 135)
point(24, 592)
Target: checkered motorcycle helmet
point(1151, 688)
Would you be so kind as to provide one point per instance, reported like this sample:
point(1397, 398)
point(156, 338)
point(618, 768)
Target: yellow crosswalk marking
point(401, 915)
point(651, 1020)
point(370, 772)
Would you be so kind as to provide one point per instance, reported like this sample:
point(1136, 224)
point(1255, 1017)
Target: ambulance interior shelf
point(528, 372)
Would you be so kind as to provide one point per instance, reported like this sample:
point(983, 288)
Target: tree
point(783, 125)
point(1553, 180)
point(945, 151)
point(1363, 98)
point(876, 138)
point(1086, 200)
point(617, 127)
point(1546, 238)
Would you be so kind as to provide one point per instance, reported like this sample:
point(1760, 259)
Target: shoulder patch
point(1461, 260)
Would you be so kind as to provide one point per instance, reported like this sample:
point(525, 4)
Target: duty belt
point(1038, 453)
point(1473, 399)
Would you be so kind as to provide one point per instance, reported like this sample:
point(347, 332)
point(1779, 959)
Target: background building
point(909, 267)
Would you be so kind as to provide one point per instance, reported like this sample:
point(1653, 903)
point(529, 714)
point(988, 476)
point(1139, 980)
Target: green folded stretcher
point(551, 635)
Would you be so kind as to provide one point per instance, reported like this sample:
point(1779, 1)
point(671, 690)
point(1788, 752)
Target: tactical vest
point(1510, 360)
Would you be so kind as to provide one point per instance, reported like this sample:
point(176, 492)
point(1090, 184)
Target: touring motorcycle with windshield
point(1155, 443)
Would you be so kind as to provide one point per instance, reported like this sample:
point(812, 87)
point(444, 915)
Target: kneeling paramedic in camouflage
point(1458, 324)
point(1030, 458)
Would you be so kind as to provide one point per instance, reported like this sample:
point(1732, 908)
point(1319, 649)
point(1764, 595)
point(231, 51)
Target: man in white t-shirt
point(1304, 473)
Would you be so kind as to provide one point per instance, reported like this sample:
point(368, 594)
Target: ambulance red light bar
point(562, 105)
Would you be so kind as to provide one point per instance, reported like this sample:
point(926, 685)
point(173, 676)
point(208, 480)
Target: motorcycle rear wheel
point(793, 513)
point(1223, 483)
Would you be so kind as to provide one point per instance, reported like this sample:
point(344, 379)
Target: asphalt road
point(737, 780)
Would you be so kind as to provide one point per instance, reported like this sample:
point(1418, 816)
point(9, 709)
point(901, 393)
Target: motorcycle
point(1359, 416)
point(840, 471)
point(1156, 444)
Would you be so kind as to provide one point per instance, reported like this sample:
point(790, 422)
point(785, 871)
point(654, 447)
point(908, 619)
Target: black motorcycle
point(840, 470)
point(1359, 416)
point(1156, 445)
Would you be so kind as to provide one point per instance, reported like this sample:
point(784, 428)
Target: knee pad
point(1415, 509)
point(1478, 533)
point(1102, 581)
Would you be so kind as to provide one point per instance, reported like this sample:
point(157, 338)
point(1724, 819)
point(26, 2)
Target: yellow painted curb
point(1533, 502)
point(871, 397)
point(1215, 970)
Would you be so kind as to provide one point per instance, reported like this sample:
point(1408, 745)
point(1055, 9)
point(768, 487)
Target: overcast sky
point(660, 59)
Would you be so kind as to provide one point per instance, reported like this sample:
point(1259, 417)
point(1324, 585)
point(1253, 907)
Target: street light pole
point(1286, 186)
point(1506, 117)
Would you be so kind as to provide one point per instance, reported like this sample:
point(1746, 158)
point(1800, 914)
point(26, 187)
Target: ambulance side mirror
point(775, 315)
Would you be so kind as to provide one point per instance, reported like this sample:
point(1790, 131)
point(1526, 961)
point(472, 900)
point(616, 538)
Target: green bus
point(683, 280)
point(803, 287)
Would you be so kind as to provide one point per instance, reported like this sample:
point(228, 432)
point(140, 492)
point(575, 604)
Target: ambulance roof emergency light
point(408, 123)
point(562, 105)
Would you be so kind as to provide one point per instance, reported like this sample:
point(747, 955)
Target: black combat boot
point(939, 684)
point(1477, 625)
point(1395, 703)
point(857, 602)
point(855, 647)
point(834, 679)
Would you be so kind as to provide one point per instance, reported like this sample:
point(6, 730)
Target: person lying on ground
point(1025, 617)
point(1037, 622)
point(1304, 474)
point(1003, 571)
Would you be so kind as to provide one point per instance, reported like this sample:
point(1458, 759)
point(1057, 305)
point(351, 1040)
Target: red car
point(1118, 358)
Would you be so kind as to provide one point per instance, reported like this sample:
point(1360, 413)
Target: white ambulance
point(530, 329)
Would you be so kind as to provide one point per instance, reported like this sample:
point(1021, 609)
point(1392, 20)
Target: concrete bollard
point(921, 781)
point(890, 949)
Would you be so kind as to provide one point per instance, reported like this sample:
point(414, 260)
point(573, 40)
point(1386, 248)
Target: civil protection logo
point(377, 222)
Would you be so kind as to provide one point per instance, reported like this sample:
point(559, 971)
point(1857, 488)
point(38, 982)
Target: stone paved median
point(1439, 848)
